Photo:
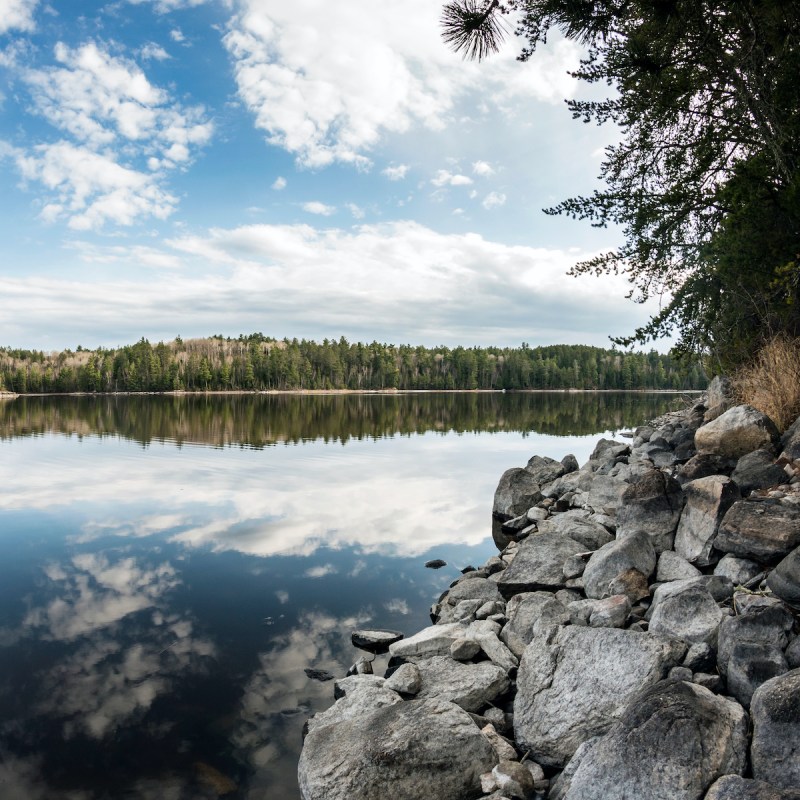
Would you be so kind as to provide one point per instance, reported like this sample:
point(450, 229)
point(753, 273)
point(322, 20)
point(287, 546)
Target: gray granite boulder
point(751, 648)
point(702, 465)
point(470, 686)
point(633, 552)
point(432, 641)
point(764, 531)
point(573, 682)
point(690, 614)
point(589, 534)
point(792, 653)
point(405, 680)
point(775, 749)
point(673, 741)
point(516, 492)
point(790, 442)
point(672, 567)
point(718, 586)
point(707, 502)
point(538, 564)
point(739, 570)
point(419, 748)
point(469, 588)
point(739, 430)
point(784, 580)
point(358, 698)
point(528, 613)
point(734, 787)
point(545, 470)
point(605, 493)
point(758, 470)
point(652, 504)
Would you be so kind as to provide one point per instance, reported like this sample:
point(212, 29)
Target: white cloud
point(355, 210)
point(383, 281)
point(396, 173)
point(17, 15)
point(446, 178)
point(154, 51)
point(397, 605)
point(494, 200)
point(483, 169)
point(125, 134)
point(326, 80)
point(321, 571)
point(176, 34)
point(165, 6)
point(315, 207)
point(283, 596)
point(279, 183)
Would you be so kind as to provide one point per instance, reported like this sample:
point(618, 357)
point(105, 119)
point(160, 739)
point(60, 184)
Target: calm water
point(170, 566)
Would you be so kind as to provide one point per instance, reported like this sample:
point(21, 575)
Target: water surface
point(169, 566)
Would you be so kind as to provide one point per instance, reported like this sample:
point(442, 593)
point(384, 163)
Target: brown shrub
point(771, 383)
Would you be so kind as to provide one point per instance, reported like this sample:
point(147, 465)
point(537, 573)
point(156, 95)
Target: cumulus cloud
point(321, 571)
point(396, 173)
point(153, 51)
point(279, 183)
point(444, 177)
point(483, 169)
point(17, 15)
point(165, 6)
point(326, 81)
point(355, 210)
point(176, 34)
point(493, 200)
point(315, 207)
point(383, 281)
point(121, 134)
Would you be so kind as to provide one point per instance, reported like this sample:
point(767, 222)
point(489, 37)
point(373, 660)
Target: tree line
point(259, 363)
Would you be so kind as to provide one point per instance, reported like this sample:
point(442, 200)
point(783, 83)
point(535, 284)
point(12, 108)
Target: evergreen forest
point(259, 363)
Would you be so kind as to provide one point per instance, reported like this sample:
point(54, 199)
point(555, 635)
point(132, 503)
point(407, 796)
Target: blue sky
point(309, 169)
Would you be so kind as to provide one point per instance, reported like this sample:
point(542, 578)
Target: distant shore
point(300, 392)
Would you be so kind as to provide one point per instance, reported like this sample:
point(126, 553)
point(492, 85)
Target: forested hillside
point(257, 362)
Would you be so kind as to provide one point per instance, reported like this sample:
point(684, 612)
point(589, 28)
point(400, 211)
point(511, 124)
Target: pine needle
point(472, 27)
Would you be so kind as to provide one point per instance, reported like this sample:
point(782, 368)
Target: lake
point(170, 566)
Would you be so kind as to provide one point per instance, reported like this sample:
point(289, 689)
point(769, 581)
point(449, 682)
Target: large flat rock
point(470, 686)
point(538, 564)
point(407, 751)
point(764, 530)
point(673, 741)
point(573, 682)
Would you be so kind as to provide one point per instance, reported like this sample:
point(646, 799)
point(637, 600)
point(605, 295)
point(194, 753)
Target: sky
point(305, 169)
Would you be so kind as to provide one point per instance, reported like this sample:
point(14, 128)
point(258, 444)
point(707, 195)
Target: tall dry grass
point(771, 383)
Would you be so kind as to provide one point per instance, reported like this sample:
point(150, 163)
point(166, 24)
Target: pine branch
point(472, 27)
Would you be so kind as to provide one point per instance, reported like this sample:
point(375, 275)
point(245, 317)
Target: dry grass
point(771, 383)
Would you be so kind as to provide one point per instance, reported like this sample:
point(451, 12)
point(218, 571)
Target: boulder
point(516, 492)
point(775, 750)
point(545, 470)
point(707, 502)
point(652, 504)
point(751, 648)
point(790, 442)
point(784, 580)
point(470, 686)
point(611, 612)
point(513, 780)
point(589, 534)
point(419, 748)
point(632, 583)
point(573, 682)
point(673, 741)
point(734, 787)
point(672, 567)
point(719, 391)
point(704, 464)
point(764, 531)
point(758, 470)
point(356, 683)
point(609, 450)
point(360, 699)
point(485, 633)
point(570, 463)
point(538, 564)
point(405, 680)
point(690, 614)
point(739, 430)
point(793, 653)
point(738, 570)
point(432, 641)
point(374, 640)
point(605, 493)
point(720, 588)
point(633, 552)
point(473, 588)
point(529, 613)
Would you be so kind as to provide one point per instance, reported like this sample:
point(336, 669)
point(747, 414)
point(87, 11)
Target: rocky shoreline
point(637, 636)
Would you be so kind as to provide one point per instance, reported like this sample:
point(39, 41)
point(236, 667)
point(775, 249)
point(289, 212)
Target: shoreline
point(333, 392)
point(642, 593)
